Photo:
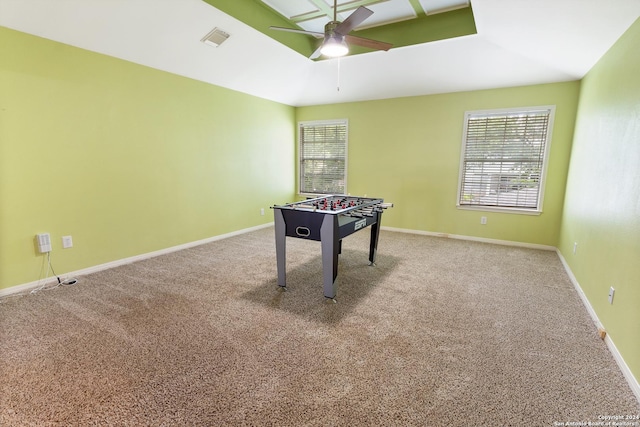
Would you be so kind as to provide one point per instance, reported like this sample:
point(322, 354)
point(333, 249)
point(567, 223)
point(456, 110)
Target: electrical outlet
point(262, 211)
point(611, 292)
point(483, 220)
point(575, 247)
point(67, 242)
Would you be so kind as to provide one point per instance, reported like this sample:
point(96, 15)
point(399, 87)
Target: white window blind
point(323, 157)
point(504, 158)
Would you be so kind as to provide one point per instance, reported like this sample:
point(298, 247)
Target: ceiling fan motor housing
point(330, 30)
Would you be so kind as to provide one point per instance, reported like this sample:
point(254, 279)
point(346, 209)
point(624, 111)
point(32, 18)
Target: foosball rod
point(303, 206)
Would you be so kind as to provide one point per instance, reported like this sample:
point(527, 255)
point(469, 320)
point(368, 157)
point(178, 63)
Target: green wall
point(126, 159)
point(602, 206)
point(407, 151)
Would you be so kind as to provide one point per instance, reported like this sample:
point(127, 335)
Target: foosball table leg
point(329, 243)
point(281, 258)
point(373, 245)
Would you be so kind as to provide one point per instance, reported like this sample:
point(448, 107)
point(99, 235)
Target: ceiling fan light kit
point(334, 47)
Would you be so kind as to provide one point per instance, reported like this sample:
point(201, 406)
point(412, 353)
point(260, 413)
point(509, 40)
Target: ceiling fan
point(336, 34)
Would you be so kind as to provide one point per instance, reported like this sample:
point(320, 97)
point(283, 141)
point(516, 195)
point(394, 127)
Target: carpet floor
point(440, 332)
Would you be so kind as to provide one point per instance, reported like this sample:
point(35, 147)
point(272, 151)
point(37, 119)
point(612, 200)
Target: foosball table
point(328, 220)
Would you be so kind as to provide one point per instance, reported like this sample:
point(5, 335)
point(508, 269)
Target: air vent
point(215, 37)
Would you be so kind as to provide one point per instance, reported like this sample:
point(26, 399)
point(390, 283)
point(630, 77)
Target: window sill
point(517, 211)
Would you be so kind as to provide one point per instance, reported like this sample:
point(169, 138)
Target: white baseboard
point(471, 238)
point(628, 375)
point(52, 280)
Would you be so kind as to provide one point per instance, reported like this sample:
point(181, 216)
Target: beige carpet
point(440, 333)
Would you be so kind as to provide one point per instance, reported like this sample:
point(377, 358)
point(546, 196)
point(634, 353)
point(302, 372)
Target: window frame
point(545, 159)
point(320, 123)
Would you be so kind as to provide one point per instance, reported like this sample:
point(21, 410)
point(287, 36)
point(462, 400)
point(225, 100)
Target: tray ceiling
point(312, 15)
point(399, 22)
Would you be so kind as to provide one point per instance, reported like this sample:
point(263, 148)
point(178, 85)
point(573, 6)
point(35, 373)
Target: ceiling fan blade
point(292, 30)
point(372, 44)
point(355, 19)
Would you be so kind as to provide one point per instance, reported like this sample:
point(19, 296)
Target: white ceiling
point(519, 42)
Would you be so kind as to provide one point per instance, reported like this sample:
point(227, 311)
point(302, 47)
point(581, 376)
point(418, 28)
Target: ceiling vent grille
point(215, 37)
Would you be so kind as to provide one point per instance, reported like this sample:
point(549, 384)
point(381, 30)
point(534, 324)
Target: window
point(503, 159)
point(323, 157)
